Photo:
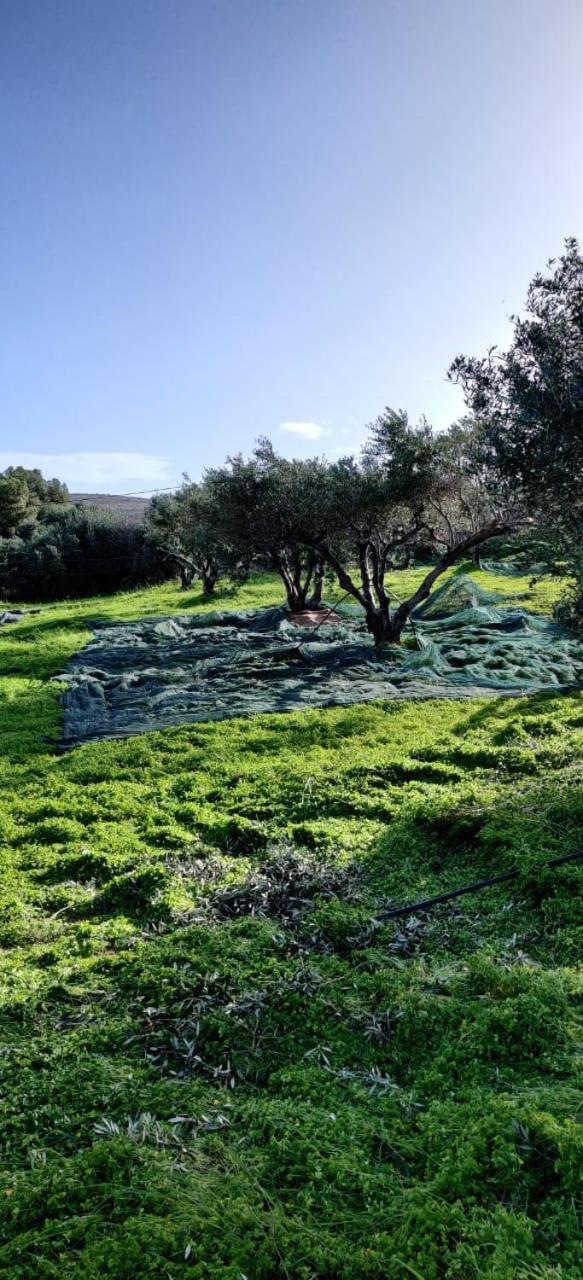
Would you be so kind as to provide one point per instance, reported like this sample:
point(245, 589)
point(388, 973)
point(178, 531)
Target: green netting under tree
point(159, 672)
point(457, 593)
point(514, 569)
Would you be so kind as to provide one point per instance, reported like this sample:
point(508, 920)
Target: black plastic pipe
point(426, 903)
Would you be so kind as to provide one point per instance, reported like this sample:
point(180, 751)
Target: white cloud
point(96, 469)
point(309, 430)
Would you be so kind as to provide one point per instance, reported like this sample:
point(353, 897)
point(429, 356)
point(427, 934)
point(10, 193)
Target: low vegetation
point(75, 551)
point(219, 1058)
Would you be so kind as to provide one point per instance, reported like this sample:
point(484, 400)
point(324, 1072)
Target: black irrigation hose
point(426, 903)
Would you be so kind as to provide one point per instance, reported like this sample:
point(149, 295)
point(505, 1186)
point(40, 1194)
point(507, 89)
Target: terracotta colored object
point(313, 618)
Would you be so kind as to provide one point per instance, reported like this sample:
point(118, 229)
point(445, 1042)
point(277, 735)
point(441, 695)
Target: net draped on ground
point(158, 672)
point(12, 615)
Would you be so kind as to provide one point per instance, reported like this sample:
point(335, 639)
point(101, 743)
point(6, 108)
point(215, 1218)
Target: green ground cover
point(217, 1059)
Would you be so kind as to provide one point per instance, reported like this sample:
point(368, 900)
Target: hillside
point(130, 510)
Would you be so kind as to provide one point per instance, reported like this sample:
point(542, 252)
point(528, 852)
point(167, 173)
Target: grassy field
point(217, 1058)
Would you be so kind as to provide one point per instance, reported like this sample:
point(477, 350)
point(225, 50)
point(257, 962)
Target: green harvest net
point(13, 615)
point(159, 672)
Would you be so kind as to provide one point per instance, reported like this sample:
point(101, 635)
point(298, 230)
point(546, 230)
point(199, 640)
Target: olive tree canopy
point(182, 527)
point(270, 509)
point(529, 400)
point(382, 509)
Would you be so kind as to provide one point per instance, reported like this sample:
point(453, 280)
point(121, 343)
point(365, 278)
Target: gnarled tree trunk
point(387, 627)
point(302, 577)
point(208, 576)
point(315, 600)
point(207, 572)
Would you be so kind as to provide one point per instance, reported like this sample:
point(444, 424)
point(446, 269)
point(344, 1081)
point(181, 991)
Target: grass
point(217, 1059)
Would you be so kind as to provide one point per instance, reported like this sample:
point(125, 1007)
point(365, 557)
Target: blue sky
point(219, 217)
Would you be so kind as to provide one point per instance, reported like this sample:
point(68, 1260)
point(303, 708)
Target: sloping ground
point(153, 673)
point(218, 1058)
point(130, 510)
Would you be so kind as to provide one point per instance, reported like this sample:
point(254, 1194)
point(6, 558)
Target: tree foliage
point(529, 400)
point(518, 456)
point(270, 509)
point(25, 493)
point(409, 494)
point(466, 493)
point(75, 551)
point(401, 497)
point(182, 526)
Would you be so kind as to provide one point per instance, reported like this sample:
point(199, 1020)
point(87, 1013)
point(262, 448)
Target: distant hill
point(129, 510)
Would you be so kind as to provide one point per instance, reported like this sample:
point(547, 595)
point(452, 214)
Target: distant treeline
point(50, 549)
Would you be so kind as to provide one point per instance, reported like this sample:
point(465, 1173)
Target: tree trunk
point(299, 596)
point(303, 579)
point(280, 564)
point(315, 600)
point(295, 589)
point(208, 577)
point(186, 576)
point(296, 596)
point(185, 567)
point(384, 628)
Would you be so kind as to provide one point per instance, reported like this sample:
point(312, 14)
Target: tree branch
point(493, 530)
point(184, 561)
point(365, 573)
point(344, 579)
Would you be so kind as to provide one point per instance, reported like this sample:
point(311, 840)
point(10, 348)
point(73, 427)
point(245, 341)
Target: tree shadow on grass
point(506, 710)
point(426, 851)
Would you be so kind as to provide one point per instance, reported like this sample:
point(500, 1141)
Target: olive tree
point(269, 510)
point(466, 492)
point(384, 507)
point(529, 400)
point(182, 526)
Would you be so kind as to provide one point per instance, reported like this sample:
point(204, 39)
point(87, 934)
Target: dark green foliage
point(530, 402)
point(75, 551)
point(271, 510)
point(406, 456)
point(24, 494)
point(406, 493)
point(183, 527)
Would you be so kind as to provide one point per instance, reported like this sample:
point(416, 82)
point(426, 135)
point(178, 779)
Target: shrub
point(76, 551)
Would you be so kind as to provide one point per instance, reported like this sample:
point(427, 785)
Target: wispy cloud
point(309, 430)
point(96, 469)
